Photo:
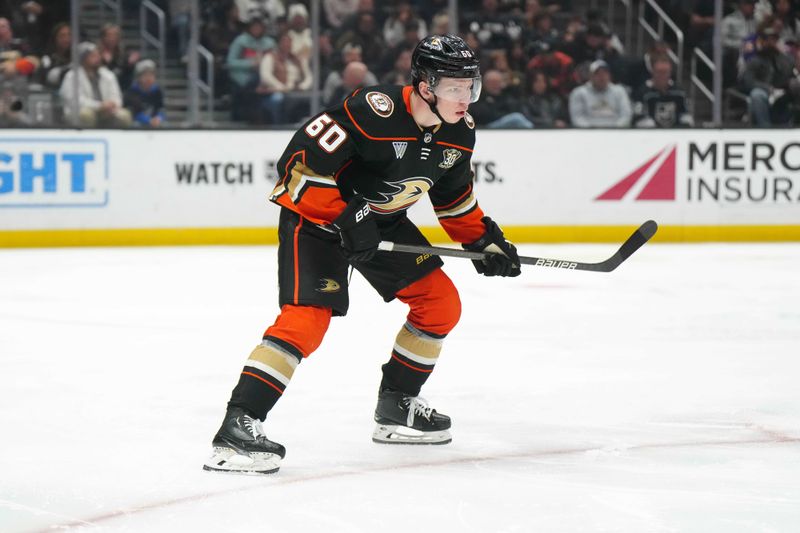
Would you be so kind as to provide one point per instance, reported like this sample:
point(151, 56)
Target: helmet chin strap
point(433, 106)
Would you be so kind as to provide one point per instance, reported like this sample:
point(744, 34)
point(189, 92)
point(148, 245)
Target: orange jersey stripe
point(454, 146)
point(339, 172)
point(289, 162)
point(368, 136)
point(297, 261)
point(454, 202)
point(407, 90)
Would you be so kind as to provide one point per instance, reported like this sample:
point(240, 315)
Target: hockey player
point(346, 179)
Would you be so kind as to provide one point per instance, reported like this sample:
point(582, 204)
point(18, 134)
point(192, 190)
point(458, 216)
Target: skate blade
point(231, 461)
point(389, 434)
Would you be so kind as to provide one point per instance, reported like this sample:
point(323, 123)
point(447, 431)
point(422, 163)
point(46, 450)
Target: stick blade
point(648, 229)
point(637, 240)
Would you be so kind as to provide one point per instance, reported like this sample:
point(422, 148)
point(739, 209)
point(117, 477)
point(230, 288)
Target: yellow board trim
point(267, 235)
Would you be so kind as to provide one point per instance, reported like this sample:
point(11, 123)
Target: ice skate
point(240, 446)
point(403, 419)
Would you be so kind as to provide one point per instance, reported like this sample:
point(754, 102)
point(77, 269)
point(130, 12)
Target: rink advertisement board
point(164, 187)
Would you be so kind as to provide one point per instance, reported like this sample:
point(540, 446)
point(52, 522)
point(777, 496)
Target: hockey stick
point(633, 243)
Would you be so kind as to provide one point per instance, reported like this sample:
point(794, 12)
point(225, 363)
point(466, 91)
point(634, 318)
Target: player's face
point(453, 96)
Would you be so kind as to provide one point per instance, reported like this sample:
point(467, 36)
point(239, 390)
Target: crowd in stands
point(115, 87)
point(545, 63)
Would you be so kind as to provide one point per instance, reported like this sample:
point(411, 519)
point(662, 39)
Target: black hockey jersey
point(371, 145)
point(667, 109)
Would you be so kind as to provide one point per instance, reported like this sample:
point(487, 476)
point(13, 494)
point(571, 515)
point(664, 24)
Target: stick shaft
point(633, 243)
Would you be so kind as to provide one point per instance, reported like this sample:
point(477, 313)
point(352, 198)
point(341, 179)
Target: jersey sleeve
point(455, 204)
point(311, 164)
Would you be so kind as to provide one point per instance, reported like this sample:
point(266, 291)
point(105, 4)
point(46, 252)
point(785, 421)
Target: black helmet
point(443, 56)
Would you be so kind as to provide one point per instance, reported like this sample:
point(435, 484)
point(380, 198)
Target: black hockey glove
point(358, 230)
point(502, 260)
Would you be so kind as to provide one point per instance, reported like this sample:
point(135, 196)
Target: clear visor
point(460, 90)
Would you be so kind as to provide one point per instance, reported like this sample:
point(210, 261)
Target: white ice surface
point(663, 397)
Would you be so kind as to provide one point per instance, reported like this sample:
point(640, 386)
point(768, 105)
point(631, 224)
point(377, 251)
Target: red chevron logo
point(660, 186)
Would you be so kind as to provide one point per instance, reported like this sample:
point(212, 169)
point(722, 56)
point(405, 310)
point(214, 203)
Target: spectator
point(440, 24)
point(99, 96)
point(395, 26)
point(267, 11)
point(367, 37)
point(493, 28)
point(751, 44)
point(594, 44)
point(517, 57)
point(354, 76)
point(363, 6)
point(338, 11)
point(350, 53)
point(144, 99)
point(33, 21)
point(12, 109)
point(218, 34)
point(434, 11)
point(244, 60)
point(180, 17)
point(512, 80)
point(737, 28)
point(544, 107)
point(15, 59)
point(497, 107)
point(16, 66)
point(771, 82)
point(598, 102)
point(575, 28)
point(738, 25)
point(472, 41)
point(557, 66)
point(409, 40)
point(641, 70)
point(401, 71)
point(58, 57)
point(596, 16)
point(300, 34)
point(763, 10)
point(114, 56)
point(542, 29)
point(329, 57)
point(658, 103)
point(556, 6)
point(786, 12)
point(530, 10)
point(281, 73)
point(701, 25)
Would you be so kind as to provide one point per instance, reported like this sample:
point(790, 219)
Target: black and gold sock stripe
point(265, 376)
point(414, 356)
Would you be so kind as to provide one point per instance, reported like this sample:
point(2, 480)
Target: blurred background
point(273, 63)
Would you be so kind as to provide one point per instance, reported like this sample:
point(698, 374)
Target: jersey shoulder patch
point(380, 103)
point(378, 112)
point(469, 121)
